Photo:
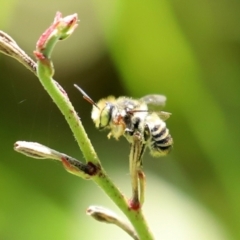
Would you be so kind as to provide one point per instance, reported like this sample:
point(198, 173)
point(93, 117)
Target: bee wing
point(164, 115)
point(154, 101)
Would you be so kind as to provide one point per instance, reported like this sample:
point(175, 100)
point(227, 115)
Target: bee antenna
point(85, 96)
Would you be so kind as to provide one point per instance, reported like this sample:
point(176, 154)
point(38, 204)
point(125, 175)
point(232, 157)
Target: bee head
point(102, 115)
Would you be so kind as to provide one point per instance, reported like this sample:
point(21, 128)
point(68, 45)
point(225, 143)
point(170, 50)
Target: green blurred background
point(187, 50)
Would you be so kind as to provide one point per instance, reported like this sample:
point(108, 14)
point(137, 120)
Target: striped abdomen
point(160, 141)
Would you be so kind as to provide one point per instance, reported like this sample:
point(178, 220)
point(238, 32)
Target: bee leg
point(142, 185)
point(134, 167)
point(134, 202)
point(141, 175)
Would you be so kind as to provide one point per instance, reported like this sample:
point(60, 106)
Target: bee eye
point(105, 116)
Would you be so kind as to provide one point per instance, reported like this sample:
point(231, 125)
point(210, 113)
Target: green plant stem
point(136, 217)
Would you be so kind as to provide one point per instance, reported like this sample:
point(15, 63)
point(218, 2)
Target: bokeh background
point(187, 50)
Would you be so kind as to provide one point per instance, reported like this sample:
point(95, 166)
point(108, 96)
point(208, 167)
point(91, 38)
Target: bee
point(125, 116)
point(136, 120)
